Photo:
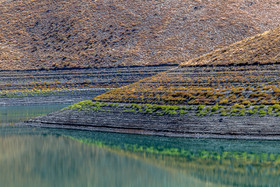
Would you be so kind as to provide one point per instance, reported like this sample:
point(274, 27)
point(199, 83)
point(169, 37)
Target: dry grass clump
point(260, 49)
point(76, 34)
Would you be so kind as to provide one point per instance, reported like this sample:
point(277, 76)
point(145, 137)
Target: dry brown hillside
point(260, 49)
point(84, 33)
point(255, 80)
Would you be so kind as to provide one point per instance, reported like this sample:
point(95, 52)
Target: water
point(51, 157)
point(15, 114)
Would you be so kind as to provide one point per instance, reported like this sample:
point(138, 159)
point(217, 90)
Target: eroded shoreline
point(115, 119)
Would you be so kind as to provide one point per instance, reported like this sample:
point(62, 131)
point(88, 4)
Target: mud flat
point(119, 118)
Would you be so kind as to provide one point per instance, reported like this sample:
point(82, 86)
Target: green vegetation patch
point(179, 110)
point(87, 106)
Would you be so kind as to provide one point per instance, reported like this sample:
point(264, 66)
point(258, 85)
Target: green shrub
point(183, 108)
point(269, 110)
point(242, 112)
point(148, 110)
point(235, 110)
point(130, 110)
point(251, 112)
point(183, 112)
point(127, 106)
point(215, 108)
point(203, 113)
point(172, 112)
point(223, 110)
point(262, 112)
point(223, 114)
point(248, 105)
point(136, 106)
point(276, 107)
point(200, 107)
point(190, 107)
point(116, 105)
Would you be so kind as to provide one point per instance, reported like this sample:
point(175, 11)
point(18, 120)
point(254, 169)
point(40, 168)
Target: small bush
point(172, 112)
point(203, 113)
point(262, 112)
point(224, 114)
point(183, 112)
point(262, 106)
point(200, 107)
point(215, 108)
point(190, 108)
point(251, 112)
point(269, 110)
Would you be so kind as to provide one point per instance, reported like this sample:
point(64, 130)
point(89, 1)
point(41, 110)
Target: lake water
point(50, 157)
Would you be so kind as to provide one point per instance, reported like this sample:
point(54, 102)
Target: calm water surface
point(49, 157)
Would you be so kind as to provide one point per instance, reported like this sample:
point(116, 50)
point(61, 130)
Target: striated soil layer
point(115, 119)
point(11, 81)
point(223, 85)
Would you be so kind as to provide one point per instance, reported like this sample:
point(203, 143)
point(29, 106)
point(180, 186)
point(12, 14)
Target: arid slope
point(260, 49)
point(250, 76)
point(67, 34)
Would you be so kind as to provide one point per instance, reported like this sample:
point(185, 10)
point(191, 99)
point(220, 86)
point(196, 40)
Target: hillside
point(76, 34)
point(260, 49)
point(250, 84)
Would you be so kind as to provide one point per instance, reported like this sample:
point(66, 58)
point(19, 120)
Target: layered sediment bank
point(122, 119)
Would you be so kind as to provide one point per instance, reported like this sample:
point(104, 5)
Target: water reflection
point(14, 114)
point(33, 157)
point(221, 162)
point(52, 157)
point(36, 160)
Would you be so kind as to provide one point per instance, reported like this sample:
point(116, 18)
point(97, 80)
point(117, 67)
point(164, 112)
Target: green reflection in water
point(221, 162)
point(48, 159)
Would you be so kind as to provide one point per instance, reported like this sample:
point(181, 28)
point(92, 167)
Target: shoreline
point(117, 120)
point(151, 133)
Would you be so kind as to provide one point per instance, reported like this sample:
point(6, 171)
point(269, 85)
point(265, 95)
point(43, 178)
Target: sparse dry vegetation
point(77, 34)
point(246, 85)
point(234, 84)
point(260, 49)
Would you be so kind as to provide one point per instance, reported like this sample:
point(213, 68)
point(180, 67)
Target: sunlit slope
point(260, 49)
point(67, 34)
point(224, 85)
